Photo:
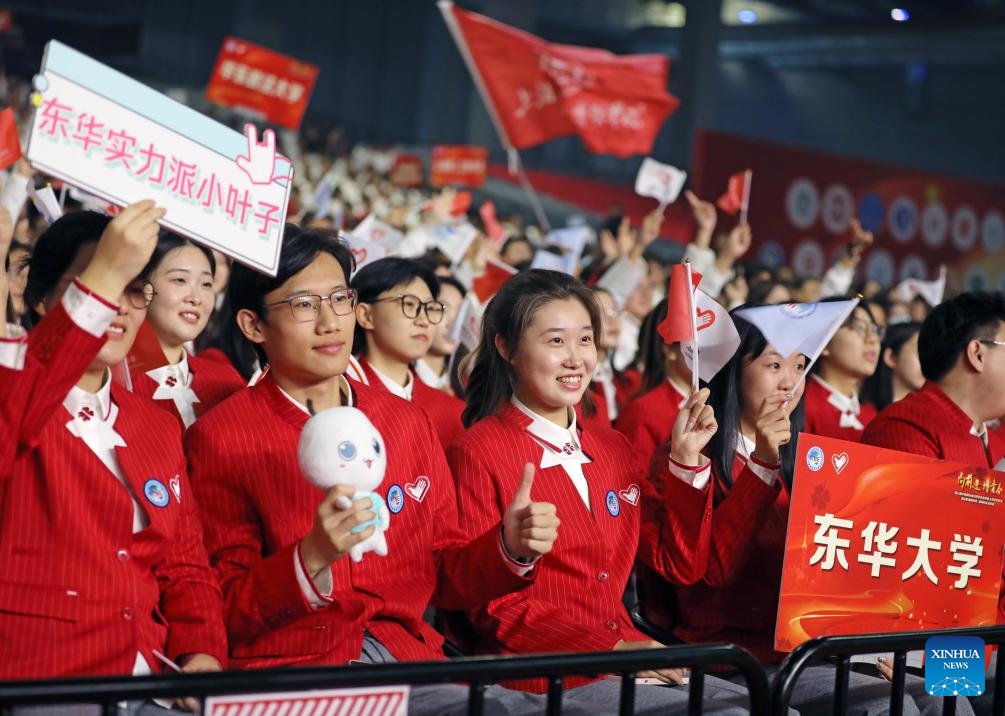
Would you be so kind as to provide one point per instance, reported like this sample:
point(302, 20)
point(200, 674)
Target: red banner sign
point(406, 171)
point(458, 165)
point(268, 83)
point(866, 552)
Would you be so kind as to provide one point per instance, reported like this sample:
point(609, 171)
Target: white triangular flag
point(622, 278)
point(662, 182)
point(467, 326)
point(931, 291)
point(806, 328)
point(453, 239)
point(544, 259)
point(365, 252)
point(717, 337)
point(46, 202)
point(571, 240)
point(376, 231)
point(321, 201)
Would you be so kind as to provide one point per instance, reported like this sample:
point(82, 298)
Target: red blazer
point(628, 385)
point(736, 599)
point(257, 507)
point(575, 602)
point(822, 418)
point(647, 421)
point(212, 381)
point(443, 410)
point(599, 419)
point(80, 593)
point(928, 422)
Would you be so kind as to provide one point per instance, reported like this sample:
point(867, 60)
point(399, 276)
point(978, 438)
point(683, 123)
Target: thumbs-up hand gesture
point(529, 528)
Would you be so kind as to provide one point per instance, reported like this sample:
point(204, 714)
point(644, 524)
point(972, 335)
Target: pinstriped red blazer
point(647, 420)
point(212, 381)
point(257, 507)
point(80, 593)
point(575, 602)
point(822, 418)
point(444, 410)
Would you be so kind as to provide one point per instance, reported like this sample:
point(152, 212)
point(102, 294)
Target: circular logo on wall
point(964, 228)
point(771, 254)
point(879, 267)
point(913, 267)
point(976, 278)
point(903, 219)
point(802, 203)
point(871, 212)
point(808, 258)
point(814, 458)
point(838, 207)
point(993, 232)
point(934, 224)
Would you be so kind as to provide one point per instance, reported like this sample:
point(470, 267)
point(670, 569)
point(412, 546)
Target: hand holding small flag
point(692, 429)
point(772, 429)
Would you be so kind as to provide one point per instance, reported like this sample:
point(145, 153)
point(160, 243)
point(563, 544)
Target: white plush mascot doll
point(340, 446)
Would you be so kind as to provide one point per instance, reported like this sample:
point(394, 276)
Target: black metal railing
point(477, 672)
point(839, 649)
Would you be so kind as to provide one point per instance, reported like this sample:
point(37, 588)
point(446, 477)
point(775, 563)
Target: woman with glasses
point(833, 407)
point(161, 367)
point(101, 552)
point(396, 318)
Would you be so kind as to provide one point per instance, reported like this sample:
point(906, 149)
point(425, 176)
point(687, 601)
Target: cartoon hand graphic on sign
point(260, 162)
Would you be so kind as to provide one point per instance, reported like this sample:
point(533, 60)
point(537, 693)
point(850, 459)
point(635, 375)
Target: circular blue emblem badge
point(395, 499)
point(814, 458)
point(156, 493)
point(613, 504)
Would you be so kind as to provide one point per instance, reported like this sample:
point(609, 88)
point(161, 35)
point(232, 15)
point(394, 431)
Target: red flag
point(10, 144)
point(538, 90)
point(737, 193)
point(493, 229)
point(676, 327)
point(488, 284)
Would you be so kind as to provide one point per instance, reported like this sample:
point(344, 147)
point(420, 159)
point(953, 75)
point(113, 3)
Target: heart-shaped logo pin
point(417, 490)
point(175, 484)
point(705, 319)
point(839, 461)
point(631, 495)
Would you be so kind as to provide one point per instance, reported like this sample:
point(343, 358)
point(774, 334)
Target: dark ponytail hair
point(508, 315)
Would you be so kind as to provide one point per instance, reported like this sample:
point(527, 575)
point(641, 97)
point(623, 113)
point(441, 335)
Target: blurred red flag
point(736, 194)
point(10, 144)
point(676, 327)
point(493, 229)
point(488, 284)
point(539, 90)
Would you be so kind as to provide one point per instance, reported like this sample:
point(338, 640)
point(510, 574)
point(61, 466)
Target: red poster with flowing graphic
point(275, 86)
point(458, 165)
point(883, 541)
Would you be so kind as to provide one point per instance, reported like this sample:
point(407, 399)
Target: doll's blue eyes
point(376, 447)
point(346, 450)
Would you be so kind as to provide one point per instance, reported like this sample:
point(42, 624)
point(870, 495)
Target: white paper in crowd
point(89, 201)
point(365, 252)
point(544, 259)
point(467, 327)
point(15, 193)
point(717, 337)
point(572, 240)
point(932, 291)
point(376, 231)
point(662, 182)
point(370, 700)
point(321, 201)
point(46, 202)
point(622, 278)
point(806, 328)
point(118, 139)
point(453, 239)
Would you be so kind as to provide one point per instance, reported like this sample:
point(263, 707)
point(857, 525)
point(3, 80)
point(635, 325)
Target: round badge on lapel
point(613, 504)
point(156, 493)
point(395, 499)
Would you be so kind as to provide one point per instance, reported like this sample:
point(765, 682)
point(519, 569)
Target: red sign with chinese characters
point(268, 83)
point(884, 541)
point(458, 165)
point(406, 171)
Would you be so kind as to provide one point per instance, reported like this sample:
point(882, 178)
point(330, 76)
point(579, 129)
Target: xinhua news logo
point(954, 666)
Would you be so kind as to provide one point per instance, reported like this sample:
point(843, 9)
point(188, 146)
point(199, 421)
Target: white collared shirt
point(174, 382)
point(428, 376)
point(402, 391)
point(848, 406)
point(604, 374)
point(561, 447)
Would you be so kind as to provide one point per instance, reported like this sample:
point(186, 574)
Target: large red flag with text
point(540, 90)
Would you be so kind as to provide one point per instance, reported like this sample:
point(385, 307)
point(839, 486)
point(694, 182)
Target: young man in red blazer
point(278, 543)
point(102, 563)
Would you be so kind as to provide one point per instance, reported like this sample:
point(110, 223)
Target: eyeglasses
point(140, 295)
point(866, 329)
point(411, 306)
point(991, 343)
point(307, 307)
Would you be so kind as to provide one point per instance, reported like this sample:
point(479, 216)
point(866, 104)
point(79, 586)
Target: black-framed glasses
point(307, 307)
point(412, 305)
point(989, 342)
point(866, 329)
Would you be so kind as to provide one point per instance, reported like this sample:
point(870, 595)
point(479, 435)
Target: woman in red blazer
point(102, 565)
point(534, 362)
point(184, 384)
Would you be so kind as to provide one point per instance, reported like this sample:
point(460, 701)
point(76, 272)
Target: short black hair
point(383, 275)
point(451, 281)
point(952, 324)
point(55, 251)
point(248, 287)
